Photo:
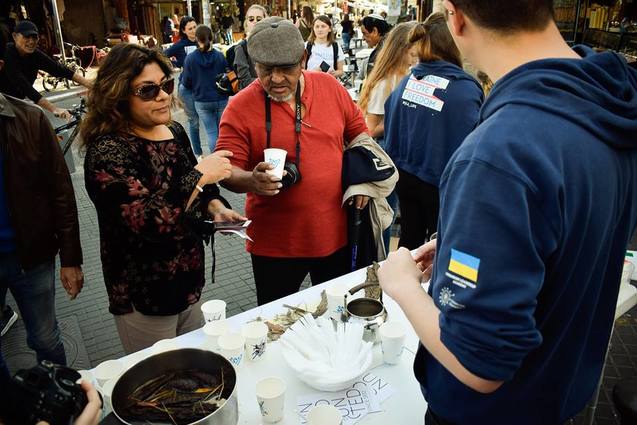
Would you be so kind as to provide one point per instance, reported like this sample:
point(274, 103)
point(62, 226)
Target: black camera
point(292, 176)
point(46, 392)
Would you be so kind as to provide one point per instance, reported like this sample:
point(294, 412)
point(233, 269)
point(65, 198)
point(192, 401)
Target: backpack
point(308, 49)
point(227, 83)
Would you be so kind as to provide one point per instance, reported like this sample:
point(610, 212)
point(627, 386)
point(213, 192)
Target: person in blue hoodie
point(200, 69)
point(536, 209)
point(427, 117)
point(177, 54)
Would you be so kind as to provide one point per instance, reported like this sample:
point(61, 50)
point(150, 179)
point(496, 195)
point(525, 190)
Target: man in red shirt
point(300, 228)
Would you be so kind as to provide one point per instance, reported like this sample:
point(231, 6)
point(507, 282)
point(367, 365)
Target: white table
point(406, 406)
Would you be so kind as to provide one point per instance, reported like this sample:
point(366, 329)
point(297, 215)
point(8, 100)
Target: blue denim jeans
point(210, 114)
point(346, 39)
point(193, 119)
point(34, 291)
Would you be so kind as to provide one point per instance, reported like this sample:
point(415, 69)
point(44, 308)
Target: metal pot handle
point(364, 285)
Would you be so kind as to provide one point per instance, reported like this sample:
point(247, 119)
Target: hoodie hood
point(575, 89)
point(208, 59)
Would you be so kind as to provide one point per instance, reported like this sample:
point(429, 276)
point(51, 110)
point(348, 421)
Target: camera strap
point(297, 122)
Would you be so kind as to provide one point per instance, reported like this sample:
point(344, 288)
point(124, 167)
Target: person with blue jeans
point(38, 219)
point(177, 54)
point(200, 69)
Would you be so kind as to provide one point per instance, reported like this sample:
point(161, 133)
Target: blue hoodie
point(536, 209)
point(428, 116)
point(200, 72)
point(179, 52)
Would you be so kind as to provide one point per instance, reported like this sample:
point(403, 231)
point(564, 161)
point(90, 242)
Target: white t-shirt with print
point(323, 52)
point(379, 95)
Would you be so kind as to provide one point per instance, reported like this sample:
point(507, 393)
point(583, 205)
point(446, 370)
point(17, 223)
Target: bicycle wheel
point(82, 72)
point(68, 142)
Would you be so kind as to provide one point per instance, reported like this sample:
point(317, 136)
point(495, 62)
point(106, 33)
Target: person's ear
point(1, 64)
point(15, 36)
point(455, 18)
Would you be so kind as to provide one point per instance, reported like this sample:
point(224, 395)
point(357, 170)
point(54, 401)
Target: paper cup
point(214, 310)
point(107, 370)
point(325, 414)
point(164, 345)
point(336, 301)
point(275, 157)
point(86, 375)
point(231, 346)
point(271, 398)
point(212, 332)
point(392, 336)
point(256, 335)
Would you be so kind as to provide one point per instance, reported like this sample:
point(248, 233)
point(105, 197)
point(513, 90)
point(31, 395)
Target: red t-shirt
point(305, 220)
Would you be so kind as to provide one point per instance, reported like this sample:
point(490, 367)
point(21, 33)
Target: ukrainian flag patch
point(464, 265)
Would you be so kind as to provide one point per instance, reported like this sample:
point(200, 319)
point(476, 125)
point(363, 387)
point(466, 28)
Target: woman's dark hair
point(203, 34)
point(331, 38)
point(107, 102)
point(182, 25)
point(508, 16)
point(370, 22)
point(307, 15)
point(434, 41)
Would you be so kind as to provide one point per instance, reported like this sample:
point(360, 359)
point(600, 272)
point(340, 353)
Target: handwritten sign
point(421, 92)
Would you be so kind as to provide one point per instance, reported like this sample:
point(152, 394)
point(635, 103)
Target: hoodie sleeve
point(489, 268)
point(186, 73)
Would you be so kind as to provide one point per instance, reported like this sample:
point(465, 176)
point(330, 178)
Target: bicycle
point(76, 112)
point(50, 82)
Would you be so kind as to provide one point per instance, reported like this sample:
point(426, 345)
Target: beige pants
point(138, 331)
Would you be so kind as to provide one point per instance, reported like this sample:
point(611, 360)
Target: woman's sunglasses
point(151, 91)
point(253, 18)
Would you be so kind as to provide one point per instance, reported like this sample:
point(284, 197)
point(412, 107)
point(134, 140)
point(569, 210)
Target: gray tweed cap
point(275, 41)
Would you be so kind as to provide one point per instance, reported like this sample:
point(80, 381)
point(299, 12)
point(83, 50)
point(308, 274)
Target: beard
point(281, 99)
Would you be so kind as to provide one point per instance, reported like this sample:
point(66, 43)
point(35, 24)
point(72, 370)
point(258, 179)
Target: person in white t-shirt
point(393, 63)
point(322, 48)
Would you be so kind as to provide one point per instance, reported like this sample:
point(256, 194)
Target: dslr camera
point(46, 392)
point(292, 175)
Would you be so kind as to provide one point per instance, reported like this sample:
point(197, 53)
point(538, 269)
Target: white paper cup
point(214, 310)
point(256, 335)
point(164, 345)
point(108, 370)
point(231, 346)
point(325, 414)
point(336, 301)
point(392, 337)
point(271, 398)
point(212, 331)
point(275, 157)
point(86, 375)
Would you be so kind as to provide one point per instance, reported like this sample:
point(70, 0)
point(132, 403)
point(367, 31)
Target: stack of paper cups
point(212, 331)
point(392, 336)
point(336, 301)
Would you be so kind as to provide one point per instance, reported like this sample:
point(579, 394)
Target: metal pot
point(170, 361)
point(368, 311)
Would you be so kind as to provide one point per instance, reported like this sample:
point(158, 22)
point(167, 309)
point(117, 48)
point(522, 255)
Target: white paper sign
point(353, 403)
point(376, 385)
point(421, 92)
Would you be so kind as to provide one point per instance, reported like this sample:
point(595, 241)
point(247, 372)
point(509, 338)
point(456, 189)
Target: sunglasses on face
point(151, 91)
point(253, 18)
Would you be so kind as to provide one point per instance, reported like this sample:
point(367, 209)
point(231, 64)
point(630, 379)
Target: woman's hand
point(219, 212)
point(215, 167)
point(399, 275)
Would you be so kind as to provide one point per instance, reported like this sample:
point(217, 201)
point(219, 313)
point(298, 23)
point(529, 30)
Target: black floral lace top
point(151, 258)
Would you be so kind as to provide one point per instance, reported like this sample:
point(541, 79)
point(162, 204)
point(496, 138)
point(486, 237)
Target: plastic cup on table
point(271, 398)
point(256, 336)
point(392, 337)
point(214, 310)
point(324, 414)
point(212, 332)
point(164, 345)
point(107, 370)
point(336, 301)
point(231, 346)
point(276, 158)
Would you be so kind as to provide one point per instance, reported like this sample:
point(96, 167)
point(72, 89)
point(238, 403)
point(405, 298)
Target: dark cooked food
point(179, 397)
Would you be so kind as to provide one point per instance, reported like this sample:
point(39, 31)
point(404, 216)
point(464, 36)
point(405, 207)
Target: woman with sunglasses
point(177, 53)
point(200, 69)
point(242, 62)
point(147, 186)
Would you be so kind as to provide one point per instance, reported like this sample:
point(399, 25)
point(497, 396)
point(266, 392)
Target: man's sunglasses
point(151, 91)
point(252, 18)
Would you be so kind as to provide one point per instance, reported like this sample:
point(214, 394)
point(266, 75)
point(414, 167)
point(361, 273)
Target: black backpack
point(230, 54)
point(308, 49)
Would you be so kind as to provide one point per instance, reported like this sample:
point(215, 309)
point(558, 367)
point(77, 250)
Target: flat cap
point(275, 41)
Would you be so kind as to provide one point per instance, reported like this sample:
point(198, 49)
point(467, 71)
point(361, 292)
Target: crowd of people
point(503, 206)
